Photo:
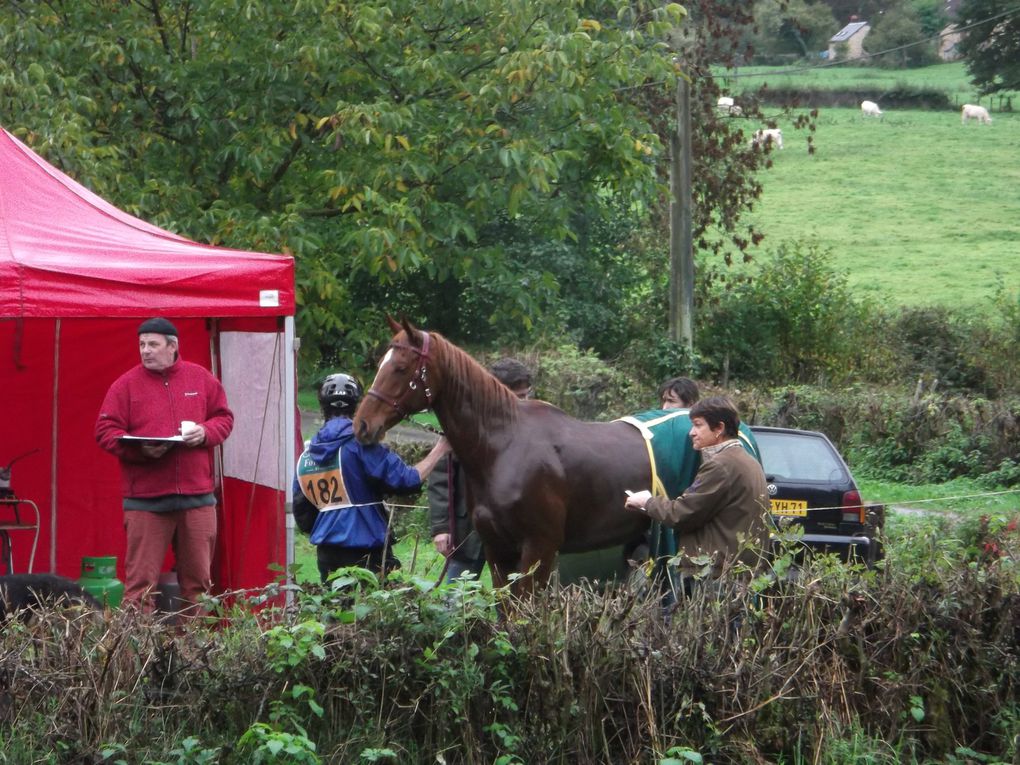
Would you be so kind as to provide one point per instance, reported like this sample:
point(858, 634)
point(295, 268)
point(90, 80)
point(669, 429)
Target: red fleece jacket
point(145, 403)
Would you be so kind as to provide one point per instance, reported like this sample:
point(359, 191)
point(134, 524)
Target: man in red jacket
point(161, 419)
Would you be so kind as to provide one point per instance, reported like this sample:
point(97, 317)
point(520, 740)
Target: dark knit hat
point(157, 325)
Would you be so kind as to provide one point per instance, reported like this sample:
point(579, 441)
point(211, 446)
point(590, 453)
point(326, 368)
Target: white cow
point(725, 104)
point(973, 112)
point(870, 109)
point(764, 136)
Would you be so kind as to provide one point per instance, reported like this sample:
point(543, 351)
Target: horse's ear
point(394, 325)
point(413, 333)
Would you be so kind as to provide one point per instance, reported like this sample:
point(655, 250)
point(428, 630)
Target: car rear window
point(799, 457)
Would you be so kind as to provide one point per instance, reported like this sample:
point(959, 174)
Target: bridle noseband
point(420, 376)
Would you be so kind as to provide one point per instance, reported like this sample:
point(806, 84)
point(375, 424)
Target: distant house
point(848, 43)
point(949, 39)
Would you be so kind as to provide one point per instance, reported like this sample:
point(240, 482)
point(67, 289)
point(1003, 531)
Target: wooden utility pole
point(681, 250)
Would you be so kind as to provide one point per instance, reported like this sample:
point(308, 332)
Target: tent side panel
point(251, 537)
point(253, 532)
point(26, 410)
point(252, 370)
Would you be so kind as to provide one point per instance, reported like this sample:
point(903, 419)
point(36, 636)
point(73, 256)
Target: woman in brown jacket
point(723, 516)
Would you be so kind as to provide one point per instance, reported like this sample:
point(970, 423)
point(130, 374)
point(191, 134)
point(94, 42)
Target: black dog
point(35, 592)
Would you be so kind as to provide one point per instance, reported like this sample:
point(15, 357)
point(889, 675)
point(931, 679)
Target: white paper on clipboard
point(154, 439)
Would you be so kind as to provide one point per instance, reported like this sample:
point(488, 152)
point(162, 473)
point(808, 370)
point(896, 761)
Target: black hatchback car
point(810, 484)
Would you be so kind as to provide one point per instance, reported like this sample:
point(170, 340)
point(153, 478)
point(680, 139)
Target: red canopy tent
point(77, 276)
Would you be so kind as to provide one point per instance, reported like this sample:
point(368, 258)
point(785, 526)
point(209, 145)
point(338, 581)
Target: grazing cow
point(725, 104)
point(870, 109)
point(768, 135)
point(973, 112)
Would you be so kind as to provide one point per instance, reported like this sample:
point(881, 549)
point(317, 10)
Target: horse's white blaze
point(385, 360)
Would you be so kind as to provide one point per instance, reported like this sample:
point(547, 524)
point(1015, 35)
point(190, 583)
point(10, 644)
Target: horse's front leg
point(500, 569)
point(538, 556)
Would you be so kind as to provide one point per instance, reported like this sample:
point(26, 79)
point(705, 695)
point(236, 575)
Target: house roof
point(848, 31)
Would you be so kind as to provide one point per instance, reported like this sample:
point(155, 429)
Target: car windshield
point(799, 457)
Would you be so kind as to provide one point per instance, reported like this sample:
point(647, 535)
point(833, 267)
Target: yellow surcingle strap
point(658, 489)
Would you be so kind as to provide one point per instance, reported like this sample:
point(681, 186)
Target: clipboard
point(153, 439)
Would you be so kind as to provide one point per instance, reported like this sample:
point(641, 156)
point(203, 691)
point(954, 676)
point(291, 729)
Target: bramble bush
point(792, 319)
point(909, 437)
point(915, 661)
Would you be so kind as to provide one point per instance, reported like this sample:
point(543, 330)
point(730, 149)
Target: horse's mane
point(467, 378)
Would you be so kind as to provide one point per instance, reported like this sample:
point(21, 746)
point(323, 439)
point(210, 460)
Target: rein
point(419, 377)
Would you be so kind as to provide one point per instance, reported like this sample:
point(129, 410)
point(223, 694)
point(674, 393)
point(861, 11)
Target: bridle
point(419, 377)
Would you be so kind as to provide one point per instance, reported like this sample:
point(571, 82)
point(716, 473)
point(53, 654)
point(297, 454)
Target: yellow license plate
point(789, 506)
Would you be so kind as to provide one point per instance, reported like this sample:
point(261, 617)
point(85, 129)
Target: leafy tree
point(796, 26)
point(899, 31)
point(378, 137)
point(864, 10)
point(931, 14)
point(725, 165)
point(496, 166)
point(991, 46)
point(796, 320)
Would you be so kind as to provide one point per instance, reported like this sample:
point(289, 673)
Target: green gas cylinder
point(99, 579)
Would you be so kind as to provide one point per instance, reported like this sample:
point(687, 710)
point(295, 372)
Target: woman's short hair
point(715, 410)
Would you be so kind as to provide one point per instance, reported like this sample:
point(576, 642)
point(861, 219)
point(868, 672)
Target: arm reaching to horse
point(429, 461)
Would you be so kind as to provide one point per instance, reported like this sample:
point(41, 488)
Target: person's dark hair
point(683, 388)
point(715, 410)
point(511, 372)
point(339, 395)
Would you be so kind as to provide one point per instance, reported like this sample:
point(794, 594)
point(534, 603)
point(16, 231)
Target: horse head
point(401, 386)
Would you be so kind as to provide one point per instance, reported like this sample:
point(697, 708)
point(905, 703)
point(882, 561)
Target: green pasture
point(915, 207)
point(951, 78)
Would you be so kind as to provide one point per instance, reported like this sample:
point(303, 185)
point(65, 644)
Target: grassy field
point(416, 553)
point(951, 78)
point(915, 207)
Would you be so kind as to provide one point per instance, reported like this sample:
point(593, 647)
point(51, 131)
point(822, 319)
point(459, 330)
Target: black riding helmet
point(339, 394)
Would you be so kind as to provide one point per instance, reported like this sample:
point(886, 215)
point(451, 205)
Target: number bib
point(322, 485)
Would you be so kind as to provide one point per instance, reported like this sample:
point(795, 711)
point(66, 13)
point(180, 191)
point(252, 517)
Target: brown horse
point(539, 481)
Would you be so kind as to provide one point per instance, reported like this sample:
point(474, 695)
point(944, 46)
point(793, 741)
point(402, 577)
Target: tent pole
point(289, 413)
point(53, 448)
point(221, 504)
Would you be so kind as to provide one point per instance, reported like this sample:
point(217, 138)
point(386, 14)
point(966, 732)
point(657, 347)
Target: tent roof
point(65, 252)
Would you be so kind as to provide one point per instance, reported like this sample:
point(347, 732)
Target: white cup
point(186, 427)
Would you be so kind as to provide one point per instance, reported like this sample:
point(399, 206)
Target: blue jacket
point(369, 472)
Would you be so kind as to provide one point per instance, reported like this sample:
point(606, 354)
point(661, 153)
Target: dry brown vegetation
point(918, 662)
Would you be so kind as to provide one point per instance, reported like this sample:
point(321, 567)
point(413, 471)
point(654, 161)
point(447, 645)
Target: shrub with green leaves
point(793, 319)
